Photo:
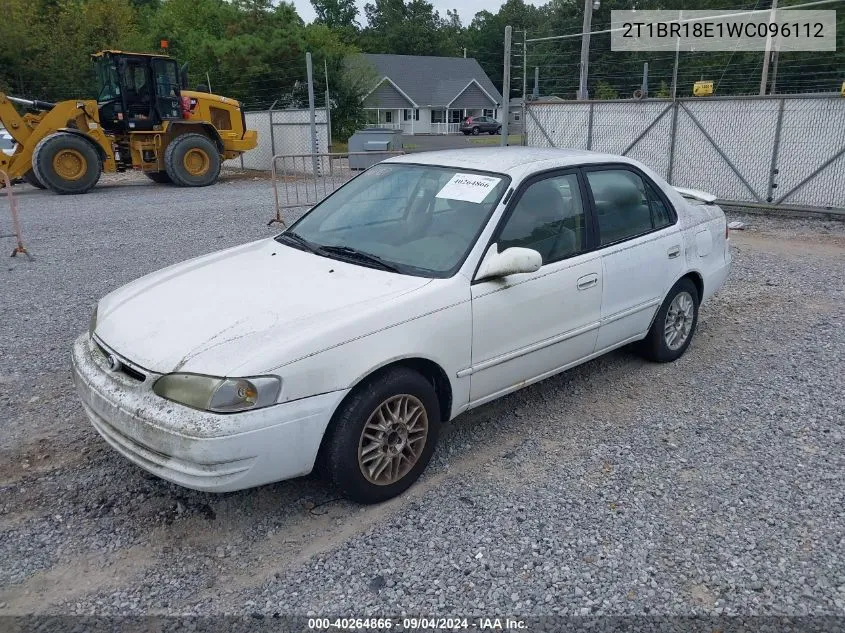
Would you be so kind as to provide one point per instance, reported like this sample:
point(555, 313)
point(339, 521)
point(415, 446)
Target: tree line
point(253, 50)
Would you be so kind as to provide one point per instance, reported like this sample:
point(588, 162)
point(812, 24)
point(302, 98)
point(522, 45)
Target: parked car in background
point(475, 125)
point(426, 286)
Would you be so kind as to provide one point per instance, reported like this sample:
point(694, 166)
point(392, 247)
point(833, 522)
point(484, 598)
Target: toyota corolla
point(426, 286)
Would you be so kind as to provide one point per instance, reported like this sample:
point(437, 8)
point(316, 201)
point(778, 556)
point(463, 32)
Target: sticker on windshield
point(468, 187)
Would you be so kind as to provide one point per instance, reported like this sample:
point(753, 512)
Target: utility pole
point(764, 77)
point(328, 106)
point(465, 52)
point(536, 93)
point(644, 87)
point(585, 49)
point(773, 87)
point(677, 56)
point(506, 85)
point(309, 70)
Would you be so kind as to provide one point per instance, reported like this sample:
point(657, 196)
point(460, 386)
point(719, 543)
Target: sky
point(466, 8)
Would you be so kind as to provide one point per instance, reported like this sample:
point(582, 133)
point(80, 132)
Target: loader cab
point(136, 92)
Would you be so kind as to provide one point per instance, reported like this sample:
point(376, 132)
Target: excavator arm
point(78, 117)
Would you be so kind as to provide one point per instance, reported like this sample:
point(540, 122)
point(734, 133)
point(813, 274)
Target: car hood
point(211, 314)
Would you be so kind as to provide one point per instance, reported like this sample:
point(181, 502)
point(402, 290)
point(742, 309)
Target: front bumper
point(197, 449)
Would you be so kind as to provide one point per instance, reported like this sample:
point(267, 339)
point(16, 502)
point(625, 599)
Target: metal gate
point(783, 151)
point(302, 180)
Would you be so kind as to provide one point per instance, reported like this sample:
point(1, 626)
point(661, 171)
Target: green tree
point(336, 14)
point(408, 28)
point(605, 91)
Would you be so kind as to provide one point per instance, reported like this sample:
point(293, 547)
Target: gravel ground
point(710, 486)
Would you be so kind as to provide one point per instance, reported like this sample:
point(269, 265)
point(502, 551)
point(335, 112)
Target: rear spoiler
point(695, 194)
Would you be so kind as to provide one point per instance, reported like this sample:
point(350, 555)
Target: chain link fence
point(777, 151)
point(282, 132)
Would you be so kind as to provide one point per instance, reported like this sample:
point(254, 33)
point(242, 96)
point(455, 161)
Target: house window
point(388, 117)
point(488, 112)
point(411, 115)
point(438, 116)
point(455, 116)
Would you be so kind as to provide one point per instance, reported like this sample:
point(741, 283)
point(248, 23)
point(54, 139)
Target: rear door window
point(626, 206)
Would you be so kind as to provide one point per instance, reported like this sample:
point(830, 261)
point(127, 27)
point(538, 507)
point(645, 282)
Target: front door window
point(548, 218)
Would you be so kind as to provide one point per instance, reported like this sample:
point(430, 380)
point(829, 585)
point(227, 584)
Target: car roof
point(512, 161)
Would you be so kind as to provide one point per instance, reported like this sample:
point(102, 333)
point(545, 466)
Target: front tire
point(192, 160)
point(32, 179)
point(674, 326)
point(475, 131)
point(383, 436)
point(66, 163)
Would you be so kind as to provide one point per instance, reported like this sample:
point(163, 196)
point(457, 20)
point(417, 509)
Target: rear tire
point(160, 177)
point(674, 326)
point(475, 131)
point(32, 179)
point(66, 163)
point(355, 450)
point(192, 160)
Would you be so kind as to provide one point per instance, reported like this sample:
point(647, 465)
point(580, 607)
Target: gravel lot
point(714, 485)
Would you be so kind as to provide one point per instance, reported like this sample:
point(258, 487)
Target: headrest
point(615, 190)
point(542, 198)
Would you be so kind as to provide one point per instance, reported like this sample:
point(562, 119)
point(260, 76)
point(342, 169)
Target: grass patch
point(513, 139)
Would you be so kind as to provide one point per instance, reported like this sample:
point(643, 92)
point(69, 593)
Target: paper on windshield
point(468, 187)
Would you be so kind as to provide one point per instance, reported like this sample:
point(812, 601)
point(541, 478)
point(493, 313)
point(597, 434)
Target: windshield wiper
point(297, 239)
point(353, 253)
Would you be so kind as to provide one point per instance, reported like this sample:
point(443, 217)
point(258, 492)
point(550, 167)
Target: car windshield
point(416, 219)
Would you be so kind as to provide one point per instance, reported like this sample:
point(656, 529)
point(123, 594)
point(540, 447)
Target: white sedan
point(426, 286)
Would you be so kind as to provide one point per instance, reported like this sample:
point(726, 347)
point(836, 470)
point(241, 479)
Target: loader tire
point(32, 179)
point(66, 163)
point(160, 177)
point(192, 160)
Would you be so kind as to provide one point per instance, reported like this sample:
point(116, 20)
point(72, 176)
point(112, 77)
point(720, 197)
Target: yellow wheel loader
point(143, 118)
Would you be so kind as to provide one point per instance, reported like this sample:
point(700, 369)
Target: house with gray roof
point(429, 95)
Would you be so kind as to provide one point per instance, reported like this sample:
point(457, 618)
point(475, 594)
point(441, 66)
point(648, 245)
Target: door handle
point(674, 252)
point(588, 281)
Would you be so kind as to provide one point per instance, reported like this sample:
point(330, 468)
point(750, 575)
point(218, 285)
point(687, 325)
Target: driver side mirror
point(511, 261)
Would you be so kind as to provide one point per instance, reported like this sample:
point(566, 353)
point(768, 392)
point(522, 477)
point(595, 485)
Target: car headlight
point(220, 395)
point(92, 324)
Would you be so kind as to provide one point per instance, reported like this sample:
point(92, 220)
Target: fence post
point(328, 123)
point(272, 133)
point(506, 86)
point(773, 165)
point(672, 137)
point(590, 127)
point(309, 70)
point(13, 212)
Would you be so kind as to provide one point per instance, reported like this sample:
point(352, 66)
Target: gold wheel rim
point(393, 439)
point(196, 161)
point(70, 164)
